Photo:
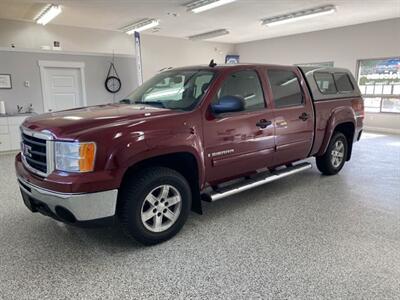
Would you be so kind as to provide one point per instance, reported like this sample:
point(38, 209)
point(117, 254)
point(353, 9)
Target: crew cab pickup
point(186, 135)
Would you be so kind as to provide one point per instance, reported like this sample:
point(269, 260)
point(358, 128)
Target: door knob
point(263, 123)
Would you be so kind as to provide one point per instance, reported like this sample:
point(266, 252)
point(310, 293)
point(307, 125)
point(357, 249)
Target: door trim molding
point(43, 64)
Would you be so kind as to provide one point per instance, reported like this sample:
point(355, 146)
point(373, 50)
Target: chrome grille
point(36, 151)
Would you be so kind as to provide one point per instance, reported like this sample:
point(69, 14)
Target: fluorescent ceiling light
point(48, 13)
point(209, 35)
point(203, 5)
point(140, 26)
point(299, 15)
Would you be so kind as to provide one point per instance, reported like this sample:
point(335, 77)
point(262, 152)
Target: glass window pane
point(387, 89)
point(285, 88)
point(245, 84)
point(325, 82)
point(391, 105)
point(175, 89)
point(343, 82)
point(372, 104)
point(378, 89)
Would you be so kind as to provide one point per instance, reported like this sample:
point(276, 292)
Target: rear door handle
point(263, 123)
point(304, 116)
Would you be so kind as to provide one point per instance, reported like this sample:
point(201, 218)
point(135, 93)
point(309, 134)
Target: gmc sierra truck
point(186, 135)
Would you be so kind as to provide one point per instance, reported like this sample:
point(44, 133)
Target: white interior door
point(63, 88)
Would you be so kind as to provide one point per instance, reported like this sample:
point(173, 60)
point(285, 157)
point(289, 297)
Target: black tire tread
point(323, 162)
point(133, 186)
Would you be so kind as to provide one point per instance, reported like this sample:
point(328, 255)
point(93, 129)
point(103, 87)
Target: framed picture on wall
point(5, 81)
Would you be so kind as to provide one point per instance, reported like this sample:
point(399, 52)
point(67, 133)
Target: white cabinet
point(10, 136)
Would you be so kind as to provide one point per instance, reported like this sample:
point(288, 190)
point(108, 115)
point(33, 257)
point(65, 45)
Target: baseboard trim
point(382, 130)
point(9, 152)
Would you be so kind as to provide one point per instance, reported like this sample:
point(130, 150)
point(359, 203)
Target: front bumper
point(69, 207)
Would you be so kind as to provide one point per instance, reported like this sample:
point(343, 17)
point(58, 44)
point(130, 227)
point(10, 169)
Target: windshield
point(180, 90)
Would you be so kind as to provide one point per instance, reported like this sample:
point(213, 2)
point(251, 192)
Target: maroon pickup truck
point(186, 135)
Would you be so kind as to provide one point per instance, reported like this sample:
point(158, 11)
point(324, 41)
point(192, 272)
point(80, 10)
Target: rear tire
point(154, 205)
point(335, 156)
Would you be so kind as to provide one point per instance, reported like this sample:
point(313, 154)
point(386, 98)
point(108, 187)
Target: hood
point(74, 122)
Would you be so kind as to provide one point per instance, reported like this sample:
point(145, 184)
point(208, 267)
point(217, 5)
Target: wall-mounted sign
point(5, 81)
point(232, 59)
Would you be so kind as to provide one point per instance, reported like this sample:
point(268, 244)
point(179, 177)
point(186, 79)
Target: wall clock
point(113, 83)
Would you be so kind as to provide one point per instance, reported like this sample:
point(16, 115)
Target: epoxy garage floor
point(307, 236)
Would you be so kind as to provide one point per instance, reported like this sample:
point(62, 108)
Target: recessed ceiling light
point(209, 35)
point(203, 5)
point(299, 15)
point(140, 26)
point(48, 13)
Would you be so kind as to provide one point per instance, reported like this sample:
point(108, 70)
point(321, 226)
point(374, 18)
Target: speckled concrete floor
point(306, 236)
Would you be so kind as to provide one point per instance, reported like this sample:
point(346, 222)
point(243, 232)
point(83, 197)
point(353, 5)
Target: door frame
point(43, 64)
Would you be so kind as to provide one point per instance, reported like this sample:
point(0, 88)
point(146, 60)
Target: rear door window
point(343, 82)
point(285, 88)
point(325, 82)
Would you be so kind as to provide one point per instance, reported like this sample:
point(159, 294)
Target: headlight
point(75, 157)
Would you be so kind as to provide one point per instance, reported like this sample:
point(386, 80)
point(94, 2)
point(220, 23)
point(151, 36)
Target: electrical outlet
point(27, 83)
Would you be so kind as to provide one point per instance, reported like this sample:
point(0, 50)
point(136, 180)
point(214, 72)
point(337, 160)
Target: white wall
point(32, 36)
point(82, 44)
point(23, 66)
point(342, 45)
point(160, 52)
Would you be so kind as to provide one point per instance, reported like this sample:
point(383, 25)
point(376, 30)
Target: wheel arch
point(342, 120)
point(184, 163)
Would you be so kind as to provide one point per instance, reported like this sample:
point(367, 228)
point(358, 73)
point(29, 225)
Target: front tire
point(154, 205)
point(335, 156)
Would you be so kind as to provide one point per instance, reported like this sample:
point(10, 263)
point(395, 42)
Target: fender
point(339, 115)
point(132, 151)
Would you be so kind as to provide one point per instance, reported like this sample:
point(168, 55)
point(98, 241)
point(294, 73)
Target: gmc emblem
point(26, 150)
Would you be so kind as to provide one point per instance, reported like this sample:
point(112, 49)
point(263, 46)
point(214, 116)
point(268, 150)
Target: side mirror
point(228, 104)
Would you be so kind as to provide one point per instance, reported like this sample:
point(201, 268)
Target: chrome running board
point(258, 180)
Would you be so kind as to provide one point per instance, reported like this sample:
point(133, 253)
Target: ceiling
point(242, 17)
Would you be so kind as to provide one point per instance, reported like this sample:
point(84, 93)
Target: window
point(180, 90)
point(285, 88)
point(325, 82)
point(245, 84)
point(201, 84)
point(343, 82)
point(390, 105)
point(379, 82)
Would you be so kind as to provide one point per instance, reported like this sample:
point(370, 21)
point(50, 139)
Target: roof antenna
point(212, 64)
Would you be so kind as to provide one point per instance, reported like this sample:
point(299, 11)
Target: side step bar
point(260, 179)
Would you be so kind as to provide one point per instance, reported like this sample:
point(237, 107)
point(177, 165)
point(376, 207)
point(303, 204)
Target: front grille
point(34, 152)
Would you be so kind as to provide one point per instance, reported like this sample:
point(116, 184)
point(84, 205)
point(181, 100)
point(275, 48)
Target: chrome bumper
point(84, 207)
